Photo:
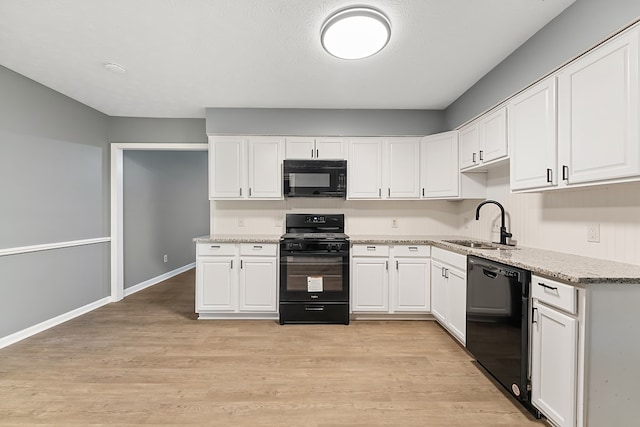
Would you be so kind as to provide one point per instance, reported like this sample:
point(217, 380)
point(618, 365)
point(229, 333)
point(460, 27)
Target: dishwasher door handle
point(489, 272)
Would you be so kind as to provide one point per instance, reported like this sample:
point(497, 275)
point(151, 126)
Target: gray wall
point(142, 129)
point(166, 205)
point(579, 27)
point(318, 122)
point(55, 187)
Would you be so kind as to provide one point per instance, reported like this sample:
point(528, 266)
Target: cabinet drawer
point(554, 293)
point(370, 250)
point(452, 258)
point(412, 251)
point(263, 249)
point(216, 249)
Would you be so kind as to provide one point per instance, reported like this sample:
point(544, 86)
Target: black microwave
point(315, 178)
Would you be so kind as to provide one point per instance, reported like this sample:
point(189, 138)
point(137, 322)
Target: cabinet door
point(438, 291)
point(330, 148)
point(469, 146)
point(532, 137)
point(370, 284)
point(403, 166)
point(216, 284)
point(598, 113)
point(492, 130)
point(265, 166)
point(439, 165)
point(300, 148)
point(554, 364)
point(457, 298)
point(258, 284)
point(411, 290)
point(364, 174)
point(226, 167)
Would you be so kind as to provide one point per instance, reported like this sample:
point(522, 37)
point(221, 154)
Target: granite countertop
point(238, 238)
point(566, 267)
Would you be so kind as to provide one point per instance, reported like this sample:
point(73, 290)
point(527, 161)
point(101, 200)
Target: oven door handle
point(314, 307)
point(315, 253)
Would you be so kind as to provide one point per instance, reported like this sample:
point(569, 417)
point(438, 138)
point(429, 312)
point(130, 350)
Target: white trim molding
point(47, 324)
point(155, 280)
point(117, 208)
point(49, 246)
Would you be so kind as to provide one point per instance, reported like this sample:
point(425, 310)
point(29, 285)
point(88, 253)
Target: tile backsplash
point(553, 220)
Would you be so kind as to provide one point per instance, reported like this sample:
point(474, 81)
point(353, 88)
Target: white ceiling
point(182, 56)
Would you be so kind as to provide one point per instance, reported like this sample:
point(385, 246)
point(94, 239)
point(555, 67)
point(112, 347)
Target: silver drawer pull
point(371, 248)
point(215, 246)
point(257, 246)
point(413, 248)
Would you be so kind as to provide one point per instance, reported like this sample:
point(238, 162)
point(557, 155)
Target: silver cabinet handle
point(389, 192)
point(386, 265)
point(257, 246)
point(371, 248)
point(442, 272)
point(549, 175)
point(241, 191)
point(379, 192)
point(215, 246)
point(241, 264)
point(317, 153)
point(481, 156)
point(413, 248)
point(474, 157)
point(397, 266)
point(312, 153)
point(534, 315)
point(423, 192)
point(231, 264)
point(249, 191)
point(565, 172)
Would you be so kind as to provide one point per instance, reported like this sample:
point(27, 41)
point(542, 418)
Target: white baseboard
point(43, 326)
point(155, 280)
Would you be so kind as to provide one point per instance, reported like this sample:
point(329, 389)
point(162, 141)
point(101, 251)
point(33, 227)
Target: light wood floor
point(147, 360)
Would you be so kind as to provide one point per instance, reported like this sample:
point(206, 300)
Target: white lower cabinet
point(449, 291)
point(233, 280)
point(554, 364)
point(392, 279)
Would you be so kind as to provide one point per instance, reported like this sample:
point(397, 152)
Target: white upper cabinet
point(265, 177)
point(469, 146)
point(598, 113)
point(484, 140)
point(403, 168)
point(245, 167)
point(532, 137)
point(440, 177)
point(315, 148)
point(226, 167)
point(364, 168)
point(384, 168)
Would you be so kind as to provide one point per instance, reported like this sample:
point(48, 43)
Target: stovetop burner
point(315, 236)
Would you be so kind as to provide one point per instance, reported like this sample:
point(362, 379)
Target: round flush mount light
point(355, 33)
point(116, 68)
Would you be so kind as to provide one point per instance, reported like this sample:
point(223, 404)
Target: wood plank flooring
point(147, 361)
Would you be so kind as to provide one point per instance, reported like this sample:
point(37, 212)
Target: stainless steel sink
point(473, 244)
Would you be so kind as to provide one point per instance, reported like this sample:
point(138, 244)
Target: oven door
point(314, 276)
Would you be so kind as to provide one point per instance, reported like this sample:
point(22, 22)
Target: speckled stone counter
point(238, 238)
point(566, 267)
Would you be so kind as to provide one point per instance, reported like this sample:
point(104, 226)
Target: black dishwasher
point(498, 324)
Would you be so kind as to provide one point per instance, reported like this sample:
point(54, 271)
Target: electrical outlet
point(593, 233)
point(165, 258)
point(394, 223)
point(240, 222)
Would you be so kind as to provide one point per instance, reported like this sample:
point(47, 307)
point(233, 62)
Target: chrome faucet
point(503, 230)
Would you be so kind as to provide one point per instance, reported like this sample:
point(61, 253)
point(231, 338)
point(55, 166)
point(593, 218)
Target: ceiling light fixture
point(355, 33)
